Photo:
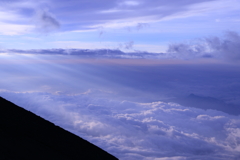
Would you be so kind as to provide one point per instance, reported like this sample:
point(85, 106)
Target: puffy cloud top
point(143, 131)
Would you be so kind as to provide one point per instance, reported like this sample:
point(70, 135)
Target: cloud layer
point(94, 53)
point(131, 130)
point(224, 48)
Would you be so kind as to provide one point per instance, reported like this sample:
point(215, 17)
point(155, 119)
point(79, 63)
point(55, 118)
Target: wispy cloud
point(11, 23)
point(87, 13)
point(126, 45)
point(86, 17)
point(45, 22)
point(14, 29)
point(130, 3)
point(142, 25)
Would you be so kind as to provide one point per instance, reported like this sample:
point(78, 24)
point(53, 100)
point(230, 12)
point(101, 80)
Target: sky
point(143, 80)
point(141, 25)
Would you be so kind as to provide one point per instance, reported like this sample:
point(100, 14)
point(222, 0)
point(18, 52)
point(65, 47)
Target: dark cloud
point(101, 31)
point(186, 51)
point(129, 45)
point(91, 53)
point(45, 22)
point(142, 25)
point(229, 46)
point(226, 47)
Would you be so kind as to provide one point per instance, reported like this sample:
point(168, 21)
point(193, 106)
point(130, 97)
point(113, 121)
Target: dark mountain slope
point(24, 135)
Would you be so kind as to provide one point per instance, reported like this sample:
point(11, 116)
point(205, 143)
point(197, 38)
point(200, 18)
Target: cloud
point(9, 23)
point(130, 3)
point(141, 26)
point(226, 48)
point(101, 31)
point(82, 15)
point(186, 51)
point(129, 45)
point(14, 29)
point(131, 130)
point(89, 15)
point(93, 53)
point(45, 22)
point(229, 46)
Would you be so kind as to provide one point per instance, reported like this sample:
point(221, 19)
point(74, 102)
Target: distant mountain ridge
point(205, 103)
point(24, 135)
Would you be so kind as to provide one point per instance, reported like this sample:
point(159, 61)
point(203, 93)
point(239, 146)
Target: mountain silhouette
point(204, 102)
point(26, 136)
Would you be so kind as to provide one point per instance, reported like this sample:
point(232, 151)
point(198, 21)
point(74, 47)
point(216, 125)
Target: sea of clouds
point(132, 130)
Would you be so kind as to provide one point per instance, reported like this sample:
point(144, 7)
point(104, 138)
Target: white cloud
point(130, 3)
point(14, 29)
point(9, 23)
point(9, 16)
point(110, 11)
point(124, 46)
point(172, 158)
point(219, 6)
point(84, 45)
point(19, 4)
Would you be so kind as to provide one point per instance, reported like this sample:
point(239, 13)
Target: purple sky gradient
point(142, 79)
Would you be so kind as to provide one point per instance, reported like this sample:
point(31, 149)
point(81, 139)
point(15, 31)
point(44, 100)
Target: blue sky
point(150, 25)
point(142, 79)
